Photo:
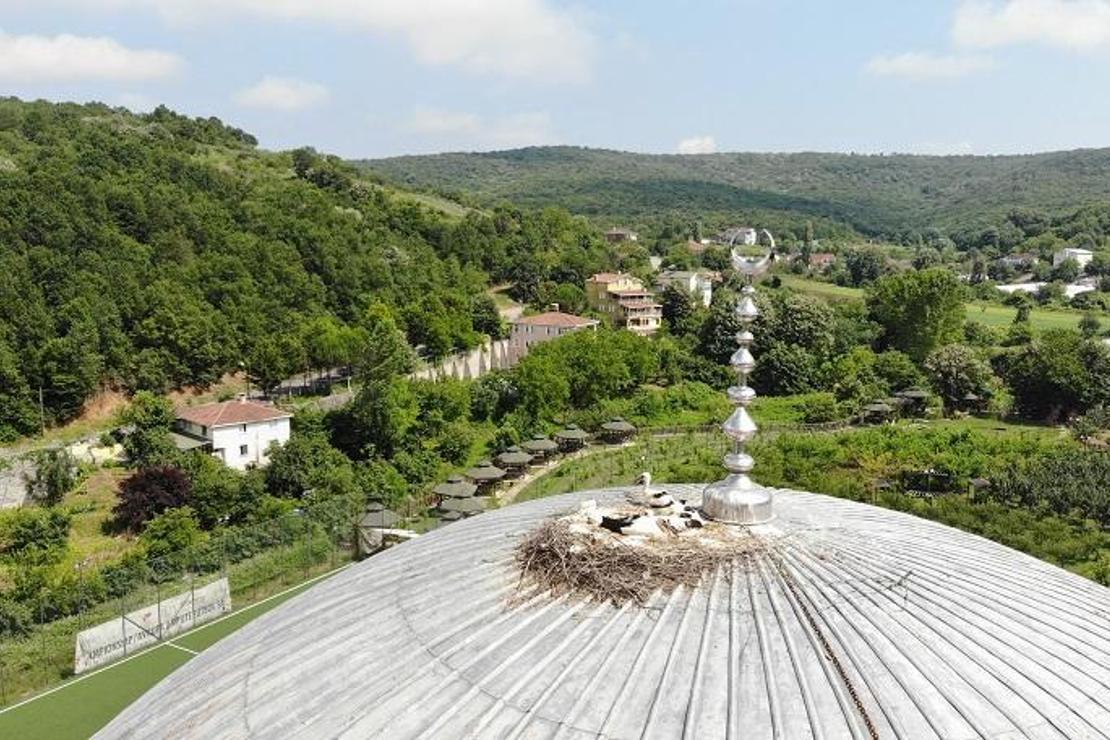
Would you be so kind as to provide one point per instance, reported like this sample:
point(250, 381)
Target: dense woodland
point(157, 251)
point(893, 197)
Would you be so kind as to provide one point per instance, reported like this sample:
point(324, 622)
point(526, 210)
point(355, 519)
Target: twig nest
point(627, 556)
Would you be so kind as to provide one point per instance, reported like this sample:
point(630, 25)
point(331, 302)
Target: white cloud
point(924, 66)
point(697, 145)
point(431, 121)
point(283, 94)
point(527, 39)
point(1069, 24)
point(67, 58)
point(461, 130)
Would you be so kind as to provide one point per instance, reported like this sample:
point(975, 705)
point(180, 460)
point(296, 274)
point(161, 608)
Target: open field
point(991, 314)
point(84, 704)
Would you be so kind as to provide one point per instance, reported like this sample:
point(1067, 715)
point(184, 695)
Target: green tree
point(918, 311)
point(219, 495)
point(957, 370)
point(1058, 375)
point(680, 310)
point(273, 359)
point(170, 540)
point(1067, 271)
point(18, 411)
point(386, 355)
point(864, 265)
point(485, 317)
point(148, 442)
point(55, 475)
point(301, 464)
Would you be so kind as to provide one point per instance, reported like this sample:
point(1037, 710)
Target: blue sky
point(381, 77)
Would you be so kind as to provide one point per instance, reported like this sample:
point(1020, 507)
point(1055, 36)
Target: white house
point(698, 284)
point(529, 330)
point(238, 432)
point(1082, 256)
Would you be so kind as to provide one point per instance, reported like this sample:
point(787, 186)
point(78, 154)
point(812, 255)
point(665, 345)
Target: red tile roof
point(229, 413)
point(556, 318)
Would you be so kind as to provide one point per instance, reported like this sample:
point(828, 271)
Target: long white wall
point(496, 355)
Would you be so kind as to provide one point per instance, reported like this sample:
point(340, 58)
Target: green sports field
point(84, 704)
point(991, 314)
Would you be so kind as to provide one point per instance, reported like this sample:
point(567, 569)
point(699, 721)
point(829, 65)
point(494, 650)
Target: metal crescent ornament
point(751, 266)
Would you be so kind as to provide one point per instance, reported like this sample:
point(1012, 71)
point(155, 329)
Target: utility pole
point(42, 412)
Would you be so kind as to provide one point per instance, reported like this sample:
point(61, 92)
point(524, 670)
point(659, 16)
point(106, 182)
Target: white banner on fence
point(138, 629)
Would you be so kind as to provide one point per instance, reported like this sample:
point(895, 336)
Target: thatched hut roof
point(455, 487)
point(514, 457)
point(540, 445)
point(485, 472)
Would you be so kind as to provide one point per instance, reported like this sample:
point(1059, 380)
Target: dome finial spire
point(737, 499)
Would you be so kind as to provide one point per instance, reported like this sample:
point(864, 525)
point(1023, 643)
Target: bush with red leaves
point(147, 493)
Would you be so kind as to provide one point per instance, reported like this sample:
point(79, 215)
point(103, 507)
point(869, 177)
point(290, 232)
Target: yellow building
point(625, 300)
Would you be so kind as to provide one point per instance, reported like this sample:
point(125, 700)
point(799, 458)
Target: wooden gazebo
point(617, 430)
point(572, 438)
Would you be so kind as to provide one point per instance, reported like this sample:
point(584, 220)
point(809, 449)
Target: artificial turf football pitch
point(84, 704)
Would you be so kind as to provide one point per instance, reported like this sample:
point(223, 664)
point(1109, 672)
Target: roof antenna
point(737, 499)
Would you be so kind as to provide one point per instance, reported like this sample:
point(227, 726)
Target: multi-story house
point(238, 432)
point(625, 299)
point(529, 330)
point(698, 284)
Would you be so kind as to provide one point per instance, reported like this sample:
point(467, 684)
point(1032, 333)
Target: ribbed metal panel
point(936, 633)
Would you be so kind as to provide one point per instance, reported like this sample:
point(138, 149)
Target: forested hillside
point(156, 251)
point(877, 195)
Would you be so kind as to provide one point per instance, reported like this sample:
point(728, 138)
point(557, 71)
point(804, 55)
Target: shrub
point(170, 538)
point(55, 475)
point(125, 575)
point(15, 618)
point(35, 535)
point(147, 493)
point(1091, 424)
point(1064, 483)
point(819, 408)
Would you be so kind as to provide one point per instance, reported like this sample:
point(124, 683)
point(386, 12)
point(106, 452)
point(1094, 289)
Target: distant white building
point(742, 235)
point(238, 432)
point(1071, 290)
point(529, 330)
point(699, 284)
point(619, 234)
point(1082, 256)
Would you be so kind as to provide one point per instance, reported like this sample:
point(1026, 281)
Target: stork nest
point(561, 558)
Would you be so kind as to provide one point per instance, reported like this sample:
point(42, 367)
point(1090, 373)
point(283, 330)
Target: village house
point(529, 330)
point(1082, 256)
point(744, 236)
point(617, 234)
point(698, 284)
point(821, 260)
point(625, 299)
point(1022, 261)
point(238, 432)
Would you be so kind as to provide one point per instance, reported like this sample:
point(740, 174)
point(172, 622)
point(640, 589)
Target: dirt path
point(508, 494)
point(509, 309)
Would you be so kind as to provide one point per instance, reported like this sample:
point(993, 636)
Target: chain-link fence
point(258, 560)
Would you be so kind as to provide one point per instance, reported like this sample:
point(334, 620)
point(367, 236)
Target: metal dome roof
point(936, 633)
